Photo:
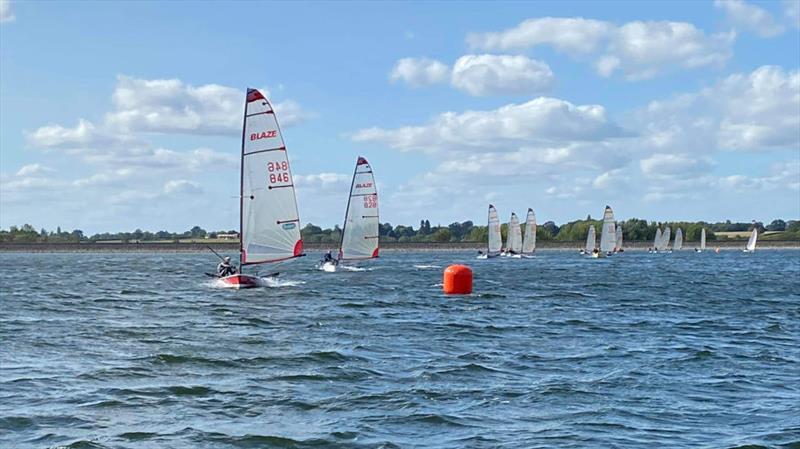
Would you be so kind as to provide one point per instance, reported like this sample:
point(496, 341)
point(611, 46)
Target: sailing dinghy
point(751, 242)
point(514, 238)
point(656, 241)
point(494, 237)
point(269, 223)
point(678, 243)
point(529, 239)
point(618, 245)
point(608, 236)
point(591, 241)
point(663, 246)
point(702, 241)
point(361, 221)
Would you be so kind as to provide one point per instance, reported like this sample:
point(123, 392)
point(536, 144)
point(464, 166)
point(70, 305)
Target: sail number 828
point(370, 202)
point(278, 172)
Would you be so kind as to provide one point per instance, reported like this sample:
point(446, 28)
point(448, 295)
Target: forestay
point(591, 239)
point(514, 239)
point(608, 237)
point(529, 239)
point(678, 244)
point(495, 239)
point(269, 221)
point(360, 231)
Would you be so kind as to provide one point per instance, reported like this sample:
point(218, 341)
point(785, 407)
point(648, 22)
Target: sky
point(123, 115)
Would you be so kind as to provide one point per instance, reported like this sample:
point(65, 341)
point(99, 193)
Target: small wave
point(137, 436)
point(174, 359)
point(350, 268)
point(426, 267)
point(274, 282)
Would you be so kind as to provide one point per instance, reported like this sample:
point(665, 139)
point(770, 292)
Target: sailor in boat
point(225, 268)
point(328, 258)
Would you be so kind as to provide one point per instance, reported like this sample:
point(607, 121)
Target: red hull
point(238, 281)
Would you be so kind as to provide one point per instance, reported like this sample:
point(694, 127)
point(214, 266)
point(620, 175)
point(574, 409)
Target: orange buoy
point(457, 280)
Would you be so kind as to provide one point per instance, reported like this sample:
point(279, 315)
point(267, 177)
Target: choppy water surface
point(681, 350)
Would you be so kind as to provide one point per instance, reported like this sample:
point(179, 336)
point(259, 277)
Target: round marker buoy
point(457, 280)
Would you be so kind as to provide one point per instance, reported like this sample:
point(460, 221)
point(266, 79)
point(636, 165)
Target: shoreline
point(313, 247)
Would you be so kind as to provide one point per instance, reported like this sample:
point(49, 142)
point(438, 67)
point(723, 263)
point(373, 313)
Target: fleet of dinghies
point(269, 222)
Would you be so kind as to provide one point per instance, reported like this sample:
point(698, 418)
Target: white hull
point(328, 267)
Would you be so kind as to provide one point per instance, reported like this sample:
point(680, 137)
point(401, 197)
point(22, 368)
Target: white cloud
point(170, 106)
point(539, 120)
point(84, 134)
point(321, 181)
point(637, 50)
point(501, 74)
point(749, 17)
point(569, 35)
point(666, 166)
point(418, 72)
point(6, 15)
point(791, 9)
point(33, 169)
point(181, 186)
point(746, 112)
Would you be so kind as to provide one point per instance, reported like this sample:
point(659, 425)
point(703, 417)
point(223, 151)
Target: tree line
point(633, 229)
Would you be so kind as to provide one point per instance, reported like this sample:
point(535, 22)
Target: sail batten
point(360, 231)
point(269, 219)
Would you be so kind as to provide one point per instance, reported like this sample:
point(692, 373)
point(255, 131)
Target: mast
point(241, 183)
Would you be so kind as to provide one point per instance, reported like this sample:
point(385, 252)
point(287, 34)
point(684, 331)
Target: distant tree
point(777, 225)
point(442, 235)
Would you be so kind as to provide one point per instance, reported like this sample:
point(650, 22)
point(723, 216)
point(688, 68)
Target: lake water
point(639, 350)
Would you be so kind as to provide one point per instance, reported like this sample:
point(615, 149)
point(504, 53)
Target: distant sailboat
point(268, 217)
point(514, 238)
point(529, 239)
point(360, 240)
point(618, 245)
point(591, 241)
point(665, 239)
point(608, 236)
point(678, 244)
point(495, 239)
point(657, 240)
point(702, 240)
point(751, 243)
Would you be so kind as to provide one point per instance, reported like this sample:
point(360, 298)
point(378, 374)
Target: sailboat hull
point(239, 281)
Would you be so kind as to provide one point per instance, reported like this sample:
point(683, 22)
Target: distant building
point(231, 236)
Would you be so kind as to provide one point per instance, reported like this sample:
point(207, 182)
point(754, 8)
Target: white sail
point(751, 243)
point(495, 239)
point(591, 239)
point(529, 240)
point(269, 221)
point(657, 240)
point(608, 236)
point(678, 244)
point(703, 238)
point(514, 235)
point(665, 239)
point(618, 244)
point(360, 230)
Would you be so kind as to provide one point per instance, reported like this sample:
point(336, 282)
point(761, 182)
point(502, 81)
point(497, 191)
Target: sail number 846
point(278, 172)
